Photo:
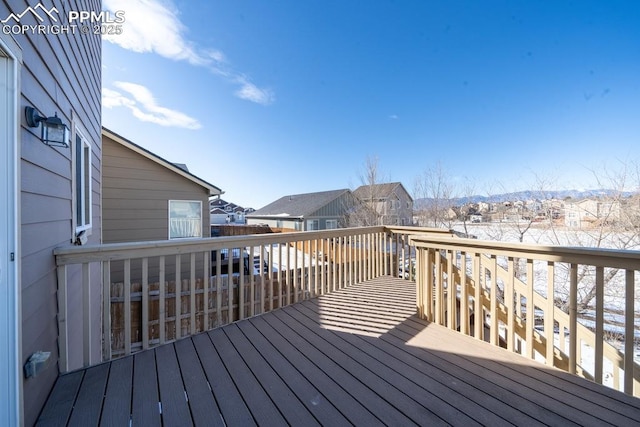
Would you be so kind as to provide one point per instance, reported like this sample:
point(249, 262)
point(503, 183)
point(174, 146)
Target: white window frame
point(313, 225)
point(333, 222)
point(169, 218)
point(82, 180)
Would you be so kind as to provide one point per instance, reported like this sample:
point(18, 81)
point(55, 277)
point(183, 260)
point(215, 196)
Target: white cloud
point(252, 93)
point(143, 105)
point(153, 26)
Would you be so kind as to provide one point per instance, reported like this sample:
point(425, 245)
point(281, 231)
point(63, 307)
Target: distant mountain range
point(525, 195)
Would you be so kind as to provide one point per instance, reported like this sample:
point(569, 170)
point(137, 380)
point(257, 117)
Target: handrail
point(505, 304)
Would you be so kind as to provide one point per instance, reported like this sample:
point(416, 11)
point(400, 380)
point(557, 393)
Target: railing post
point(63, 332)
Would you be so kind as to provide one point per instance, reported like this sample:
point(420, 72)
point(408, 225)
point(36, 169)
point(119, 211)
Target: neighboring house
point(304, 212)
point(146, 197)
point(390, 201)
point(50, 195)
point(218, 216)
point(591, 212)
point(234, 214)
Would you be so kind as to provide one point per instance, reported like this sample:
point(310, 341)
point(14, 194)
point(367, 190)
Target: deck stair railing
point(151, 293)
point(526, 298)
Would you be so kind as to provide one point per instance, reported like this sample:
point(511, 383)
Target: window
point(330, 224)
point(185, 219)
point(312, 224)
point(82, 178)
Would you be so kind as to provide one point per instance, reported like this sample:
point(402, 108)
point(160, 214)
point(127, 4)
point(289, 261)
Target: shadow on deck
point(357, 356)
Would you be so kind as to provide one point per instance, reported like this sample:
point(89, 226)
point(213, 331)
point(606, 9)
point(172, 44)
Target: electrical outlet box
point(37, 362)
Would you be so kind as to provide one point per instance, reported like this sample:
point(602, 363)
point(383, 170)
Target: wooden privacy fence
point(157, 292)
point(526, 299)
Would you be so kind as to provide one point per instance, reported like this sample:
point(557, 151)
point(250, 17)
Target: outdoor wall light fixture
point(54, 132)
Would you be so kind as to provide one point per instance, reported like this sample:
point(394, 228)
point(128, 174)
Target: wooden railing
point(513, 295)
point(157, 292)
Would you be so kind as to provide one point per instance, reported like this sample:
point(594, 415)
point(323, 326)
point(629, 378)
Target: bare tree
point(367, 209)
point(436, 189)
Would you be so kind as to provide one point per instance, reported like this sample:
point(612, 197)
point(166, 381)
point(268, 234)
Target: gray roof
point(298, 205)
point(381, 191)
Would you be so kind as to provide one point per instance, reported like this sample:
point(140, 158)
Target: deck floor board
point(358, 356)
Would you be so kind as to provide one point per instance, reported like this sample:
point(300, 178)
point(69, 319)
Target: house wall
point(405, 212)
point(136, 194)
point(60, 73)
point(334, 210)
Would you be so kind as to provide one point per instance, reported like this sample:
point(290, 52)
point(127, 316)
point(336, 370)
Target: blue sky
point(270, 98)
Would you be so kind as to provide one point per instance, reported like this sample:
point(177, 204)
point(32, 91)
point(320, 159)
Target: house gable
point(136, 191)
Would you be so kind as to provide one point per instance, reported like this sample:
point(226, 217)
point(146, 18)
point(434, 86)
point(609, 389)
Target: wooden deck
point(355, 357)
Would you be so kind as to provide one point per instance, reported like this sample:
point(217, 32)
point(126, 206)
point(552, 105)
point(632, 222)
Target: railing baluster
point(323, 267)
point(494, 338)
point(192, 293)
point(548, 315)
point(86, 310)
point(296, 286)
point(464, 294)
point(280, 286)
point(439, 294)
point(230, 286)
point(106, 310)
point(262, 279)
point(629, 329)
point(288, 274)
point(145, 303)
point(241, 285)
point(162, 304)
point(531, 309)
point(478, 316)
point(127, 306)
point(178, 299)
point(451, 290)
point(252, 282)
point(598, 369)
point(573, 318)
point(218, 288)
point(205, 290)
point(508, 297)
point(334, 258)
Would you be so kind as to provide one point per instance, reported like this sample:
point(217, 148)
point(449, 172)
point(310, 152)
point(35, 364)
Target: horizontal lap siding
point(59, 74)
point(136, 191)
